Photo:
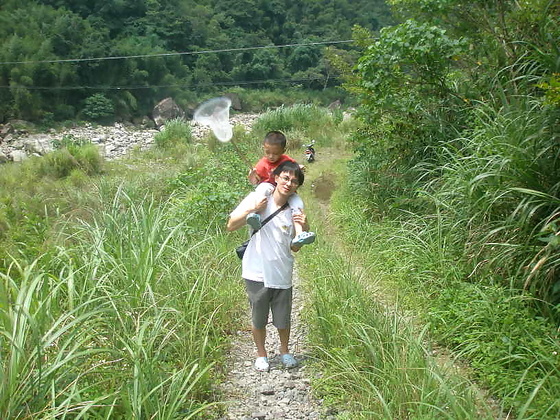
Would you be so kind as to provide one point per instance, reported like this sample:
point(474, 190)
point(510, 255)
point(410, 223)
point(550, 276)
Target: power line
point(124, 57)
point(181, 85)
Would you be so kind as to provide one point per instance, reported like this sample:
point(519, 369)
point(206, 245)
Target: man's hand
point(253, 178)
point(260, 204)
point(301, 218)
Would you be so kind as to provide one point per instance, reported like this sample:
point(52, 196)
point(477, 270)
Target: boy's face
point(273, 152)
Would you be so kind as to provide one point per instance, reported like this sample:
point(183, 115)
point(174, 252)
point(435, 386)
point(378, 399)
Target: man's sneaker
point(289, 361)
point(254, 220)
point(304, 238)
point(261, 364)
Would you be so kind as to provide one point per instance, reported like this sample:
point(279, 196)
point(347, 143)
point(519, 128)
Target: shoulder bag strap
point(270, 217)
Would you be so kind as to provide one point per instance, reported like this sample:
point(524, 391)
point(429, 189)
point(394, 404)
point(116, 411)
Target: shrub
point(98, 107)
point(70, 154)
point(176, 132)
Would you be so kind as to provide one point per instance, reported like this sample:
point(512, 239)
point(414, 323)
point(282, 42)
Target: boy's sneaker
point(261, 364)
point(254, 220)
point(304, 238)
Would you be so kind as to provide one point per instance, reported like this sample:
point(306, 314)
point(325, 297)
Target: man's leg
point(259, 337)
point(258, 297)
point(284, 334)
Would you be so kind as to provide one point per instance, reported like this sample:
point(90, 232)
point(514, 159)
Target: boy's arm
point(253, 177)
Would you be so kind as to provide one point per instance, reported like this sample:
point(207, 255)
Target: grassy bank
point(384, 308)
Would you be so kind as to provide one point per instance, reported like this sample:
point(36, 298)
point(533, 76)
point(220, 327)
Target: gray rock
point(166, 110)
point(18, 156)
point(4, 158)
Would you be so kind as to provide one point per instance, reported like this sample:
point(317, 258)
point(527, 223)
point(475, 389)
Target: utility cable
point(182, 85)
point(124, 57)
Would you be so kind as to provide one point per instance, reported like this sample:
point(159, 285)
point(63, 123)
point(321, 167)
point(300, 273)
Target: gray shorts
point(264, 300)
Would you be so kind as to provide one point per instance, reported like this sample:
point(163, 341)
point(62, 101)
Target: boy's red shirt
point(264, 168)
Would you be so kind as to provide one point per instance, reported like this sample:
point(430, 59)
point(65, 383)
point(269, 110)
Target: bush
point(71, 154)
point(176, 132)
point(98, 107)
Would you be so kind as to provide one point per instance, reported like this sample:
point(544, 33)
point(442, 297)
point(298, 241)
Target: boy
point(274, 146)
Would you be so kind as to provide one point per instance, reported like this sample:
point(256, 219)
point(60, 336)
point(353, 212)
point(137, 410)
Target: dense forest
point(62, 59)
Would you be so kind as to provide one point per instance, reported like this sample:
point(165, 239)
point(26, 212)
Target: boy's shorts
point(263, 300)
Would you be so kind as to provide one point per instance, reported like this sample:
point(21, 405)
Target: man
point(268, 261)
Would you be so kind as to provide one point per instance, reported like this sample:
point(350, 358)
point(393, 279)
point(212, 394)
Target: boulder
point(335, 105)
point(18, 155)
point(6, 130)
point(39, 144)
point(235, 101)
point(147, 122)
point(166, 110)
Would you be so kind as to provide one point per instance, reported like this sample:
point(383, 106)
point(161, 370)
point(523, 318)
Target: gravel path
point(280, 393)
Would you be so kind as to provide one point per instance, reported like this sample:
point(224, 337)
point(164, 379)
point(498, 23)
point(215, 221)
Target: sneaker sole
point(304, 241)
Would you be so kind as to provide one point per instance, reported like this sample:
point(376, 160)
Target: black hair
point(275, 138)
point(292, 168)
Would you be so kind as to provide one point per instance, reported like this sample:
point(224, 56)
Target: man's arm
point(237, 217)
point(300, 218)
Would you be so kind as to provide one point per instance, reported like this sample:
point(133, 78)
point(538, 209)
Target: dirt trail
point(280, 393)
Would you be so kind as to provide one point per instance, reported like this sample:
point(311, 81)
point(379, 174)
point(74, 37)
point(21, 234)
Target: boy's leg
point(265, 189)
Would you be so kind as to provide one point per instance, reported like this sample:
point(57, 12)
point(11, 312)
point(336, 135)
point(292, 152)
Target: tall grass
point(126, 321)
point(301, 123)
point(501, 189)
point(375, 360)
point(177, 133)
point(513, 352)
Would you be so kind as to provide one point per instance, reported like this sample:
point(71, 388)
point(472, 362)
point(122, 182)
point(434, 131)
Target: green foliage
point(406, 78)
point(459, 149)
point(71, 154)
point(459, 136)
point(310, 119)
point(496, 189)
point(375, 360)
point(261, 100)
point(551, 89)
point(210, 191)
point(98, 107)
point(510, 349)
point(126, 307)
point(176, 134)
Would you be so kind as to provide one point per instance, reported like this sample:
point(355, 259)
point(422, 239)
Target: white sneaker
point(261, 364)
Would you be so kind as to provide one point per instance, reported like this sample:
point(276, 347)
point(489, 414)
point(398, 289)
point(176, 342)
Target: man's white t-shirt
point(268, 257)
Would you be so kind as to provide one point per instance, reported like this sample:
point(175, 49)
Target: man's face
point(272, 152)
point(286, 183)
